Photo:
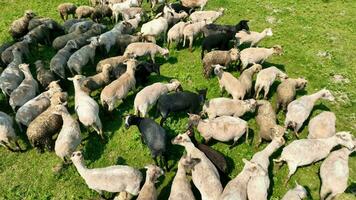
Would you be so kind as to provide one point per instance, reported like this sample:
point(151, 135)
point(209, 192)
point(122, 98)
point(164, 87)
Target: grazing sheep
point(176, 33)
point(149, 95)
point(155, 28)
point(19, 27)
point(258, 55)
point(66, 9)
point(212, 29)
point(86, 108)
point(148, 190)
point(123, 40)
point(205, 176)
point(217, 41)
point(108, 39)
point(117, 178)
point(84, 11)
point(194, 3)
point(137, 49)
point(61, 41)
point(265, 79)
point(228, 82)
point(228, 107)
point(44, 76)
point(224, 128)
point(118, 7)
point(334, 173)
point(81, 57)
point(56, 29)
point(41, 34)
point(130, 13)
point(192, 30)
point(307, 151)
point(114, 62)
point(99, 80)
point(100, 12)
point(7, 133)
point(180, 101)
point(322, 125)
point(224, 58)
point(3, 47)
point(135, 21)
point(209, 15)
point(95, 30)
point(7, 55)
point(87, 24)
point(70, 22)
point(59, 61)
point(118, 89)
point(297, 193)
point(69, 137)
point(252, 37)
point(25, 91)
point(174, 17)
point(143, 71)
point(299, 110)
point(286, 91)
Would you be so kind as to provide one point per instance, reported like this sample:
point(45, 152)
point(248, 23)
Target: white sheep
point(117, 8)
point(194, 3)
point(174, 17)
point(258, 55)
point(176, 33)
point(228, 83)
point(155, 28)
point(148, 190)
point(265, 79)
point(299, 110)
point(228, 107)
point(131, 12)
point(108, 39)
point(209, 15)
point(191, 30)
point(297, 193)
point(149, 95)
point(252, 37)
point(307, 151)
point(7, 132)
point(245, 80)
point(135, 21)
point(137, 49)
point(322, 125)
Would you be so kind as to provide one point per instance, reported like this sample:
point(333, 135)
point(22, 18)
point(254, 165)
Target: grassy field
point(318, 38)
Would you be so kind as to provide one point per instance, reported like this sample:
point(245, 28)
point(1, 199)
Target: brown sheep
point(286, 91)
point(19, 27)
point(66, 9)
point(224, 58)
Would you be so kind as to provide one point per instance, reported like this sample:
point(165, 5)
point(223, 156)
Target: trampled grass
point(318, 38)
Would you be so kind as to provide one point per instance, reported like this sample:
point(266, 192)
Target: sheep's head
point(218, 69)
point(252, 104)
point(77, 157)
point(277, 133)
point(176, 85)
point(54, 86)
point(153, 173)
point(24, 67)
point(256, 68)
point(269, 32)
point(234, 54)
point(77, 78)
point(254, 168)
point(346, 139)
point(202, 95)
point(242, 25)
point(165, 53)
point(301, 83)
point(29, 14)
point(282, 75)
point(326, 94)
point(300, 190)
point(83, 27)
point(71, 44)
point(221, 10)
point(188, 162)
point(193, 119)
point(59, 98)
point(59, 109)
point(94, 41)
point(131, 63)
point(182, 139)
point(277, 49)
point(131, 120)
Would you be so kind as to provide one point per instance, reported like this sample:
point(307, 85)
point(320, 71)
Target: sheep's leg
point(259, 140)
point(18, 146)
point(258, 90)
point(165, 162)
point(7, 146)
point(153, 58)
point(62, 16)
point(292, 169)
point(331, 196)
point(164, 118)
point(266, 89)
point(246, 132)
point(324, 192)
point(184, 39)
point(190, 43)
point(278, 162)
point(234, 143)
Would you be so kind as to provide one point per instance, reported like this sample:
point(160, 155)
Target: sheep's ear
point(71, 79)
point(65, 103)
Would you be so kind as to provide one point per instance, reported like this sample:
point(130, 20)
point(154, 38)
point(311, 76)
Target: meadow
point(318, 38)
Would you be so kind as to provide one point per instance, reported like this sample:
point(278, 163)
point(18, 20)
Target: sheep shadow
point(268, 64)
point(351, 189)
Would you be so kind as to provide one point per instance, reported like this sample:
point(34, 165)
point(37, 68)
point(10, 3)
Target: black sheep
point(3, 47)
point(217, 41)
point(211, 29)
point(153, 135)
point(180, 101)
point(100, 12)
point(177, 7)
point(142, 72)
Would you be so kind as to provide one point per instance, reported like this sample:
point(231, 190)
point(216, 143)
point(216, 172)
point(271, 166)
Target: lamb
point(86, 108)
point(7, 133)
point(212, 29)
point(224, 128)
point(19, 27)
point(100, 12)
point(99, 80)
point(25, 91)
point(59, 61)
point(148, 190)
point(297, 193)
point(155, 28)
point(210, 15)
point(322, 125)
point(66, 9)
point(205, 176)
point(114, 62)
point(252, 38)
point(228, 107)
point(307, 151)
point(117, 178)
point(149, 95)
point(194, 3)
point(334, 172)
point(84, 11)
point(61, 41)
point(299, 110)
point(69, 137)
point(176, 33)
point(44, 76)
point(228, 82)
point(192, 30)
point(286, 91)
point(81, 57)
point(123, 40)
point(137, 49)
point(217, 41)
point(108, 39)
point(130, 13)
point(224, 58)
point(265, 79)
point(258, 55)
point(118, 89)
point(7, 55)
point(135, 21)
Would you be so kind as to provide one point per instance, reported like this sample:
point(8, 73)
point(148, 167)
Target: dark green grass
point(302, 28)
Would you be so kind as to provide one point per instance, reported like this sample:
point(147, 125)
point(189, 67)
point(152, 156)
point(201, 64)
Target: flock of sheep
point(78, 41)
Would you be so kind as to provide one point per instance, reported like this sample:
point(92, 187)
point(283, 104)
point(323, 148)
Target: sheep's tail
point(202, 53)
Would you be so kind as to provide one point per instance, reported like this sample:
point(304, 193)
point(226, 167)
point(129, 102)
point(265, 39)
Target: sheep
point(100, 12)
point(84, 39)
point(118, 89)
point(69, 137)
point(237, 187)
point(192, 30)
point(3, 47)
point(143, 71)
point(176, 33)
point(266, 119)
point(322, 125)
point(155, 28)
point(7, 133)
point(96, 2)
point(299, 110)
point(67, 25)
point(117, 178)
point(334, 173)
point(61, 41)
point(25, 91)
point(58, 62)
point(108, 39)
point(42, 33)
point(149, 95)
point(84, 11)
point(297, 193)
point(24, 49)
point(205, 176)
point(81, 57)
point(212, 29)
point(114, 62)
point(210, 15)
point(252, 37)
point(137, 49)
point(174, 17)
point(228, 107)
point(258, 55)
point(86, 108)
point(118, 7)
point(66, 9)
point(194, 3)
point(123, 40)
point(41, 130)
point(154, 2)
point(135, 21)
point(224, 58)
point(181, 188)
point(286, 91)
point(130, 13)
point(265, 79)
point(224, 128)
point(307, 151)
point(57, 28)
point(87, 24)
point(44, 76)
point(19, 27)
point(257, 187)
point(228, 82)
point(180, 101)
point(99, 80)
point(148, 190)
point(217, 41)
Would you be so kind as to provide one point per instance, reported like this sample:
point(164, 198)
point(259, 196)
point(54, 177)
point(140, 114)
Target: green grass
point(302, 28)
